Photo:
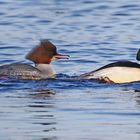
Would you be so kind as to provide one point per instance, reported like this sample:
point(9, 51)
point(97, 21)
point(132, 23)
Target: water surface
point(93, 33)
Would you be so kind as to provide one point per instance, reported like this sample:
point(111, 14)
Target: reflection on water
point(42, 93)
point(70, 111)
point(34, 114)
point(93, 33)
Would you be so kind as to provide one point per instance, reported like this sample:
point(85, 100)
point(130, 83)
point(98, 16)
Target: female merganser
point(42, 55)
point(118, 72)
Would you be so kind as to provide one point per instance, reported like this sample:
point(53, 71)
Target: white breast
point(117, 74)
point(47, 70)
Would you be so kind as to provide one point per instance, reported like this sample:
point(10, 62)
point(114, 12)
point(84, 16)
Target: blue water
point(93, 33)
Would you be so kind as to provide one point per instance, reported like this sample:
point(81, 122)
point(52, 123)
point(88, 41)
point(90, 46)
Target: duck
point(42, 56)
point(116, 72)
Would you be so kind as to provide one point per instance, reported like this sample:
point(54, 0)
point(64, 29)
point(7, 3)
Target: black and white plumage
point(117, 72)
point(45, 52)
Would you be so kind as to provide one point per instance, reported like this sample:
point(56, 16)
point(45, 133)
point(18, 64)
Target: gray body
point(21, 71)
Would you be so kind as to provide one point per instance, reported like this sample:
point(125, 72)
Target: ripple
point(93, 33)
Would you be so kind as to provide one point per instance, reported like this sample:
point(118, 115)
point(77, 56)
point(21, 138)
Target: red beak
point(62, 56)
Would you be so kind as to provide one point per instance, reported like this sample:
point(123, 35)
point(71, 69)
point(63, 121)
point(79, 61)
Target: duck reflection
point(42, 93)
point(42, 108)
point(137, 97)
point(52, 138)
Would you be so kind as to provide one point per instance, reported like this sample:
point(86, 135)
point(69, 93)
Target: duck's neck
point(46, 69)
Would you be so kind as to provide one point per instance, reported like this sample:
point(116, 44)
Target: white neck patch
point(46, 69)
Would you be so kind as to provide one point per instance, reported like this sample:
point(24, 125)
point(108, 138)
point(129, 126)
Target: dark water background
point(93, 33)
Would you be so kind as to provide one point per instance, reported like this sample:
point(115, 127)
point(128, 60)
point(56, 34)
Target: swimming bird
point(42, 55)
point(117, 72)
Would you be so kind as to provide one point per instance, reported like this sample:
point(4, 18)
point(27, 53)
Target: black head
point(138, 55)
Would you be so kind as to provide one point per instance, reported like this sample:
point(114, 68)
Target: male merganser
point(118, 72)
point(42, 55)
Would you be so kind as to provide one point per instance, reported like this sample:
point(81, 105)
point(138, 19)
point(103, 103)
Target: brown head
point(44, 53)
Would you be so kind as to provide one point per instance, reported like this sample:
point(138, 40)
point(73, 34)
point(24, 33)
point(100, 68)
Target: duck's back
point(127, 64)
point(118, 72)
point(20, 71)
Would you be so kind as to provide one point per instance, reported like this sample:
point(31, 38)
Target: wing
point(20, 71)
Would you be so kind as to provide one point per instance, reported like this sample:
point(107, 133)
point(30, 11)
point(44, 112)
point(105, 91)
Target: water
point(93, 33)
